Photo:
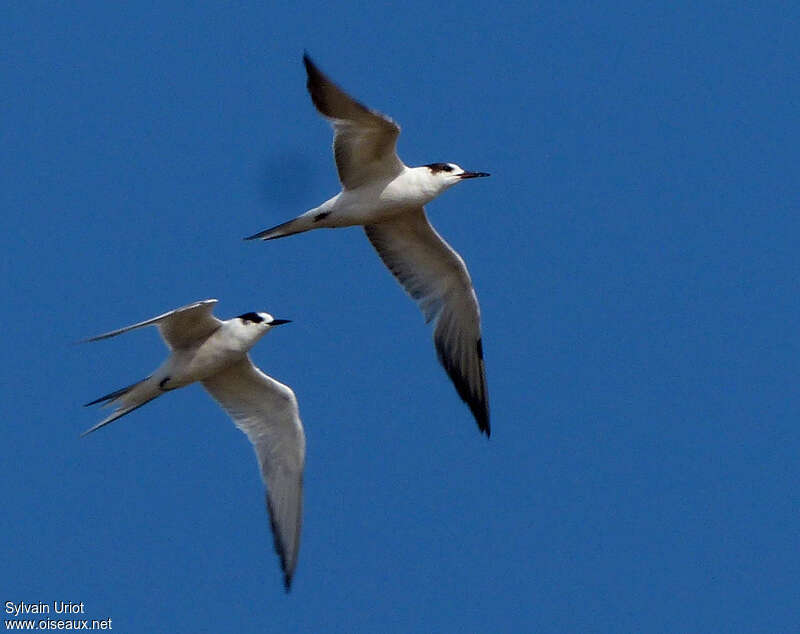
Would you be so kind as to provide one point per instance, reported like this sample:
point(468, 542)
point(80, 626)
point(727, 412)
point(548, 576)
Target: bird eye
point(447, 168)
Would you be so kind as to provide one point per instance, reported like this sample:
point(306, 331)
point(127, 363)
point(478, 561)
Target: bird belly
point(187, 366)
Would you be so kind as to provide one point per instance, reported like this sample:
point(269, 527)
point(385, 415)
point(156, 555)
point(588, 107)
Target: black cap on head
point(254, 317)
point(439, 167)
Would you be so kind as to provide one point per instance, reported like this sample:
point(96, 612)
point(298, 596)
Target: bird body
point(377, 201)
point(214, 352)
point(222, 348)
point(370, 203)
point(387, 198)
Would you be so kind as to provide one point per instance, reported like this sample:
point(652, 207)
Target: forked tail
point(309, 220)
point(126, 400)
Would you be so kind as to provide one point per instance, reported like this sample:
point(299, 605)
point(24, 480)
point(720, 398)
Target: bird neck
point(426, 182)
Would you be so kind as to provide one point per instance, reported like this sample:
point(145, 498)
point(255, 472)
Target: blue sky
point(634, 253)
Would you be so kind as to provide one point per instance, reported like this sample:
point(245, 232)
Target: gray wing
point(181, 327)
point(364, 141)
point(437, 278)
point(266, 411)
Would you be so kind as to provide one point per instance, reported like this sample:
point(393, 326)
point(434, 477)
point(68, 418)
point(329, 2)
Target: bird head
point(256, 325)
point(448, 174)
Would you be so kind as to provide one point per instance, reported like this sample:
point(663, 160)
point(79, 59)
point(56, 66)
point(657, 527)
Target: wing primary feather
point(266, 411)
point(363, 140)
point(435, 276)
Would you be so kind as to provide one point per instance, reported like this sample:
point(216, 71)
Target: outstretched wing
point(181, 327)
point(364, 141)
point(437, 278)
point(266, 411)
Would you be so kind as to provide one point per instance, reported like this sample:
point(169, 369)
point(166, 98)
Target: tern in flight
point(387, 197)
point(214, 352)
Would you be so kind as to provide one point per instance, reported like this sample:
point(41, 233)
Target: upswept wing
point(364, 141)
point(266, 411)
point(437, 278)
point(181, 327)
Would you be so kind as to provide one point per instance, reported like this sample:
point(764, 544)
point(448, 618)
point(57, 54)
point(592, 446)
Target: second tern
point(214, 352)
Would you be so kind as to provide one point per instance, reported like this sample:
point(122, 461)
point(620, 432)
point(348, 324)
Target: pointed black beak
point(278, 322)
point(474, 175)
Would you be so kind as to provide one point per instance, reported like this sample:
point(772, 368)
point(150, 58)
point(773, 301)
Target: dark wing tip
point(484, 426)
point(315, 75)
point(476, 402)
point(316, 85)
point(279, 549)
point(480, 410)
point(327, 96)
